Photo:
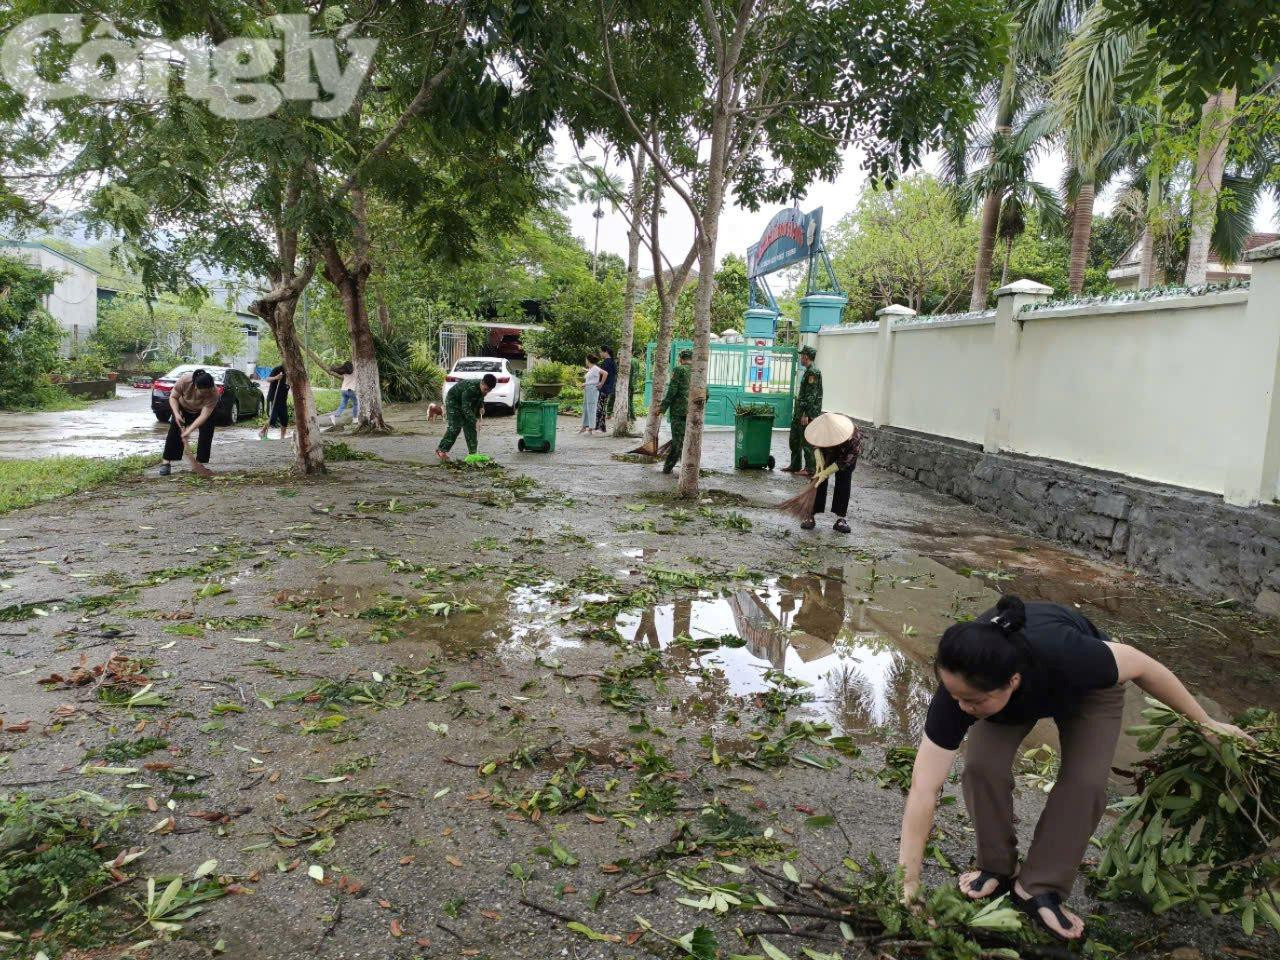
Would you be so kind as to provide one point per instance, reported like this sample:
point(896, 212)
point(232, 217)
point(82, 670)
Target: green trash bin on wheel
point(536, 424)
point(753, 437)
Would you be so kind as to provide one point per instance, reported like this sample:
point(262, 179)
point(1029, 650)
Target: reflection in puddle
point(860, 638)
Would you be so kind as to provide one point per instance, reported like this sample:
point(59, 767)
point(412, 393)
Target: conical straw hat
point(828, 430)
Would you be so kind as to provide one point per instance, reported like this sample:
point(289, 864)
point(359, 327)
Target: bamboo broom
point(801, 505)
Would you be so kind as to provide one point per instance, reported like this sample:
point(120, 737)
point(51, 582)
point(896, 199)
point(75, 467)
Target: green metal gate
point(739, 373)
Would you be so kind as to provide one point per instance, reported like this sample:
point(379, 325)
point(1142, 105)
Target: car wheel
point(162, 415)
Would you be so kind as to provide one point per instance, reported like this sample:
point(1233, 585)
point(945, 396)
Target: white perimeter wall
point(1144, 390)
point(1179, 391)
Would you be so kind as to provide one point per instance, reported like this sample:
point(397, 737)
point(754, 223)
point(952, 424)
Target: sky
point(740, 227)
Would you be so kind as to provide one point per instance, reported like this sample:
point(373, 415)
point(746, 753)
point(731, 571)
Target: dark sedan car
point(238, 396)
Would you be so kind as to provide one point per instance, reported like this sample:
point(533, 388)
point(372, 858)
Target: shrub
point(546, 371)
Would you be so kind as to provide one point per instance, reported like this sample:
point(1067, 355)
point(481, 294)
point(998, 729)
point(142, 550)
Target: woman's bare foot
point(444, 457)
point(1072, 932)
point(982, 891)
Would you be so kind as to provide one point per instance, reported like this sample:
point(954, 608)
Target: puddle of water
point(859, 637)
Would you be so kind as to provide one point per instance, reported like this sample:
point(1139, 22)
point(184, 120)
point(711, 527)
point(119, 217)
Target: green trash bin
point(536, 424)
point(753, 437)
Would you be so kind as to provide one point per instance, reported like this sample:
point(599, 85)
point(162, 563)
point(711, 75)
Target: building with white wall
point(74, 300)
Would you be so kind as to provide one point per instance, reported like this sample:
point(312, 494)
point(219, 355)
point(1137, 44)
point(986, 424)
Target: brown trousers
point(1088, 737)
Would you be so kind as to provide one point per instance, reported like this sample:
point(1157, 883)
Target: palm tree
point(1007, 182)
point(1041, 28)
point(593, 183)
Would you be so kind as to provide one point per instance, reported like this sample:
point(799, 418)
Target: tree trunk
point(364, 357)
point(1081, 233)
point(1004, 271)
point(306, 432)
point(991, 203)
point(595, 247)
point(622, 388)
point(1215, 130)
point(691, 464)
point(1146, 257)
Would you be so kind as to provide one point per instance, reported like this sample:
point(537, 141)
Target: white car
point(505, 394)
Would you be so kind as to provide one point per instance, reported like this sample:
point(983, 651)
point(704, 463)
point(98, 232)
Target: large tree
point(758, 98)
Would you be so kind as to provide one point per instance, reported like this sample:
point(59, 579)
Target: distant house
point(74, 301)
point(1125, 273)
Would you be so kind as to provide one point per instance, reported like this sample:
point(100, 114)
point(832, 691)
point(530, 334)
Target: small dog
point(434, 412)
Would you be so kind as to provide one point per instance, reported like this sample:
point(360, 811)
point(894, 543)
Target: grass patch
point(326, 402)
point(50, 398)
point(27, 482)
point(341, 453)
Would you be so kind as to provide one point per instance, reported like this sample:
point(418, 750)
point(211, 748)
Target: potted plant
point(544, 380)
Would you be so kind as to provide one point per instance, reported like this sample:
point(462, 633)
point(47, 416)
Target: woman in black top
point(998, 675)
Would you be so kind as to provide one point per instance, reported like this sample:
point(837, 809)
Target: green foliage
point(904, 245)
point(1043, 256)
point(549, 372)
point(1209, 44)
point(27, 482)
point(133, 333)
point(29, 337)
point(342, 453)
point(582, 315)
point(52, 853)
point(728, 304)
point(404, 379)
point(1203, 826)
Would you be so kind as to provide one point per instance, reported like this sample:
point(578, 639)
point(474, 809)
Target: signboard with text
point(790, 238)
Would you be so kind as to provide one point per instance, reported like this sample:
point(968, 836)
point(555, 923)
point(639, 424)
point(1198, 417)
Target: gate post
point(884, 360)
point(1005, 341)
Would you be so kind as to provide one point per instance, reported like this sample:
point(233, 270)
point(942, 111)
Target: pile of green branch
point(755, 410)
point(54, 860)
point(1203, 827)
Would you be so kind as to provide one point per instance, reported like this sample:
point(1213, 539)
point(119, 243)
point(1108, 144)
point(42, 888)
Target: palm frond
point(1237, 204)
point(1084, 86)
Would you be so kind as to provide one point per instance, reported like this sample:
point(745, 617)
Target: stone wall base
point(1190, 538)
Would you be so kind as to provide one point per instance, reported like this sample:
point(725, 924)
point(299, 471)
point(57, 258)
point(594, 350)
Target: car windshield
point(218, 373)
point(478, 366)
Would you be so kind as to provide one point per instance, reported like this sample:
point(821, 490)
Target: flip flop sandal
point(808, 524)
point(843, 527)
point(1003, 885)
point(1051, 901)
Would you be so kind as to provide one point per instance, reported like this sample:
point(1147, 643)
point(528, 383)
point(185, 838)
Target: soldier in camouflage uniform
point(462, 406)
point(808, 406)
point(675, 404)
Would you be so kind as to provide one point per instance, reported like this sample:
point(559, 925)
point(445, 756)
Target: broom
point(646, 449)
point(801, 505)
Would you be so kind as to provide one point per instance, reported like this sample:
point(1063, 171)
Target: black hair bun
point(1012, 613)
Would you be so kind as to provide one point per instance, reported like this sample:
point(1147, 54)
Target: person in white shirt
point(591, 394)
point(348, 374)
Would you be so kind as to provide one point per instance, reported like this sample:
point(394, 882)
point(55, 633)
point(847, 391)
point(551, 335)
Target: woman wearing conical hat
point(836, 444)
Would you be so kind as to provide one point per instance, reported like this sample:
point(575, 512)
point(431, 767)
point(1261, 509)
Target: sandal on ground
point(1051, 901)
point(842, 526)
point(808, 524)
point(790, 469)
point(1003, 885)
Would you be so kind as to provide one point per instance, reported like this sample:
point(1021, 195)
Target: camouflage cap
point(809, 352)
point(686, 354)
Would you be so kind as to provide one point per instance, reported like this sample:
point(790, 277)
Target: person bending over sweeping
point(462, 407)
point(997, 675)
point(835, 440)
point(192, 401)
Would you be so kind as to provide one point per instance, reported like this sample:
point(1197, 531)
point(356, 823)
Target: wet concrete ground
point(452, 621)
point(106, 428)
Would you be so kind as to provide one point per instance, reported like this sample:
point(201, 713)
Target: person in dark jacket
point(608, 387)
point(808, 406)
point(997, 676)
point(675, 404)
point(462, 408)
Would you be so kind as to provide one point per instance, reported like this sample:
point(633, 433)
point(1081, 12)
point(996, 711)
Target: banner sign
point(791, 237)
